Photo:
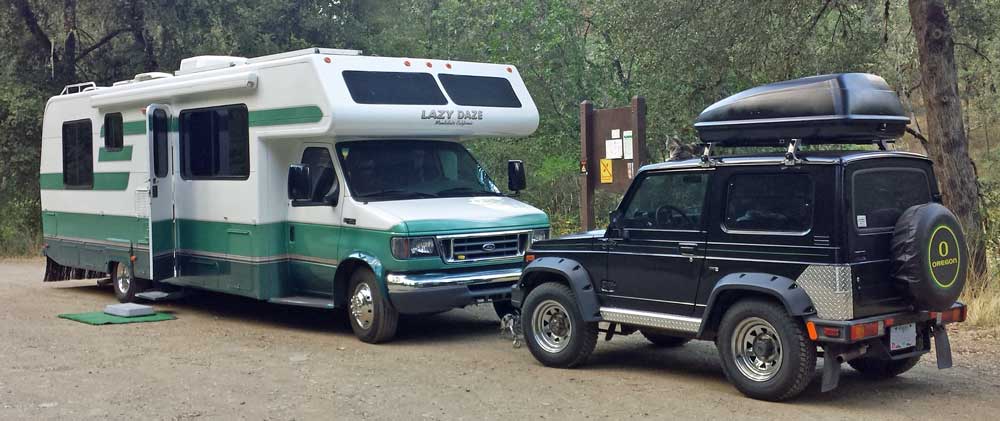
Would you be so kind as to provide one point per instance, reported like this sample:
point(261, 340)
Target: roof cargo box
point(829, 109)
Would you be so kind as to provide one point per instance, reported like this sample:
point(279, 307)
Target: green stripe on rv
point(123, 154)
point(258, 118)
point(102, 181)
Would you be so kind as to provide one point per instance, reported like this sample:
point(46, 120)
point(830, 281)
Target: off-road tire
point(583, 335)
point(798, 353)
point(135, 285)
point(876, 369)
point(385, 318)
point(662, 339)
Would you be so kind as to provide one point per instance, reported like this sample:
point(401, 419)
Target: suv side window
point(769, 203)
point(323, 176)
point(667, 201)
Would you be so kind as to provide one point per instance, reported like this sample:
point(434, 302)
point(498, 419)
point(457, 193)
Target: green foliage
point(681, 55)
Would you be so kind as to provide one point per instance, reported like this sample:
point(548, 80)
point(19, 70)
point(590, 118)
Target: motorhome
point(320, 178)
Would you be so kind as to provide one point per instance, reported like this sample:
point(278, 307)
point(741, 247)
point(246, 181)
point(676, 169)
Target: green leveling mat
point(101, 318)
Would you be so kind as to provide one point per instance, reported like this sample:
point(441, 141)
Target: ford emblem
point(489, 247)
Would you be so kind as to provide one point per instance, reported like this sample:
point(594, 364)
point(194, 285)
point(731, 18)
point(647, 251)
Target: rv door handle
point(689, 248)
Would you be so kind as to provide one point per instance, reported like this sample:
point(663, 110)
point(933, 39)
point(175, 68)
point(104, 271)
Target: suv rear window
point(881, 195)
point(401, 88)
point(483, 91)
point(769, 203)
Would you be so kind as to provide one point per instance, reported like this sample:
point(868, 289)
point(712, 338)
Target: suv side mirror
point(299, 182)
point(516, 178)
point(615, 227)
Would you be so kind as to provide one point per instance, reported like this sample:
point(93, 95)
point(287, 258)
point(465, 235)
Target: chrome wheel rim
point(362, 307)
point(756, 348)
point(551, 326)
point(122, 281)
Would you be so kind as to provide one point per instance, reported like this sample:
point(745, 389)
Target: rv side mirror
point(516, 178)
point(298, 182)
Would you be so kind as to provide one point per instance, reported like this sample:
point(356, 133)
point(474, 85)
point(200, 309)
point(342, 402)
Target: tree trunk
point(948, 146)
point(66, 72)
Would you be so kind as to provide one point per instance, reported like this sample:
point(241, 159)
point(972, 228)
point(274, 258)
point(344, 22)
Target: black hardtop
point(832, 157)
point(839, 108)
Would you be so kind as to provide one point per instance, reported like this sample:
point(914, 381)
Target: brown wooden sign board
point(612, 148)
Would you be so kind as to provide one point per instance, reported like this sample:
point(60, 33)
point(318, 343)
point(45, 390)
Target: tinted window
point(114, 136)
point(78, 154)
point(393, 88)
point(161, 151)
point(412, 169)
point(480, 91)
point(769, 202)
point(881, 195)
point(323, 181)
point(671, 201)
point(215, 143)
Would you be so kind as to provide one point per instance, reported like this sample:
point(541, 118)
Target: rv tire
point(126, 285)
point(373, 318)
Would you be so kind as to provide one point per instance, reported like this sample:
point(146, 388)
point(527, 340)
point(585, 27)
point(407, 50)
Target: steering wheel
point(669, 211)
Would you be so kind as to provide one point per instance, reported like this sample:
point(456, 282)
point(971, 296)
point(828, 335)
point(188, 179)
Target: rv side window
point(403, 88)
point(323, 181)
point(114, 136)
point(78, 154)
point(482, 91)
point(215, 143)
point(769, 203)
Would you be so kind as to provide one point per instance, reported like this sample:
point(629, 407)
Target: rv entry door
point(162, 227)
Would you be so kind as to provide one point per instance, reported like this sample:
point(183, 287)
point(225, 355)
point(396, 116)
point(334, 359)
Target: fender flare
point(576, 276)
point(794, 298)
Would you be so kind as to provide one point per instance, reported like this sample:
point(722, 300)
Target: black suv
point(780, 258)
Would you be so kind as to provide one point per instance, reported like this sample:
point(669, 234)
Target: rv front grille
point(483, 246)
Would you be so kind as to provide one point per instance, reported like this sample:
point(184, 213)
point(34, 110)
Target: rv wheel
point(372, 316)
point(126, 285)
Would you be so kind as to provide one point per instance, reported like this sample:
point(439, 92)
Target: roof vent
point(142, 77)
point(206, 63)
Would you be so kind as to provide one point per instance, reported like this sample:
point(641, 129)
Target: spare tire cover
point(929, 256)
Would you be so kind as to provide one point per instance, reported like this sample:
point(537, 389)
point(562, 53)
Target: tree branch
point(104, 40)
point(974, 50)
point(31, 21)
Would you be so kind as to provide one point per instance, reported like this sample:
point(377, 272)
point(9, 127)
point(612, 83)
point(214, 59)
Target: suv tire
point(876, 369)
point(778, 363)
point(554, 329)
point(373, 318)
point(662, 339)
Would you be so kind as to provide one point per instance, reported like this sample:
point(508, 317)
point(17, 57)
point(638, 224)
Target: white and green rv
point(318, 178)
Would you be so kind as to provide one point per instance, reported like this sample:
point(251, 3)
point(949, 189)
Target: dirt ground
point(233, 358)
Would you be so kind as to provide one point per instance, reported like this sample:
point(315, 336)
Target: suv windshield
point(412, 169)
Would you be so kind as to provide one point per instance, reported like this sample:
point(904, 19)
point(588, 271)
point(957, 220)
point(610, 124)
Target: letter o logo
point(943, 248)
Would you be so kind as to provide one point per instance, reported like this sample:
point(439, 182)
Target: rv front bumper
point(432, 292)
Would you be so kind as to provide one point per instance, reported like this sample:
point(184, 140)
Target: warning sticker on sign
point(606, 175)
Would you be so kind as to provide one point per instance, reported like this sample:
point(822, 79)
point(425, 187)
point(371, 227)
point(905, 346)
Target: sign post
point(612, 148)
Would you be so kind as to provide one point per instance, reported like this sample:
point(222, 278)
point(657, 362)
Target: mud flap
point(942, 347)
point(831, 370)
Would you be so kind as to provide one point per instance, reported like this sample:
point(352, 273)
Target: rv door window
point(215, 143)
point(78, 154)
point(161, 151)
point(481, 91)
point(114, 136)
point(401, 88)
point(323, 177)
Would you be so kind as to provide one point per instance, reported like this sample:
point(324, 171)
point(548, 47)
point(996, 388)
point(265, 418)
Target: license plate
point(902, 336)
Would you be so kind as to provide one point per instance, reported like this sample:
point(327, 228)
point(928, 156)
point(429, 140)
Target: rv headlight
point(410, 247)
point(539, 235)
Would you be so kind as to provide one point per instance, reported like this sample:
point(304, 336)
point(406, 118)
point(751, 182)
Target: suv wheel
point(765, 352)
point(554, 329)
point(659, 338)
point(373, 318)
point(877, 369)
point(125, 283)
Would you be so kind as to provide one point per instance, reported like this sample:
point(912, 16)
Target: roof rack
point(78, 87)
point(791, 149)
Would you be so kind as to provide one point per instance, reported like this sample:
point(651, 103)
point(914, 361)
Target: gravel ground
point(232, 358)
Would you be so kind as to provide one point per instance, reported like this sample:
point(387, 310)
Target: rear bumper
point(432, 292)
point(860, 330)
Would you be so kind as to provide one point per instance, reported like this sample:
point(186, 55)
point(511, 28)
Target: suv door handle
point(689, 249)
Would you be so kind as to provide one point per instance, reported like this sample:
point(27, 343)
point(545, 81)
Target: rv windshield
point(379, 170)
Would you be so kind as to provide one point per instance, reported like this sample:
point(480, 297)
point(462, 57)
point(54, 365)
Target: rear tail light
point(831, 332)
point(821, 332)
point(867, 330)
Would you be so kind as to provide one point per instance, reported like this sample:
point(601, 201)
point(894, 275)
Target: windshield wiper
point(395, 192)
point(462, 190)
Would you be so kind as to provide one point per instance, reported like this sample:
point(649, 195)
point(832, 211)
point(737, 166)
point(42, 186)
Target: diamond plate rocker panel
point(829, 288)
point(649, 319)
